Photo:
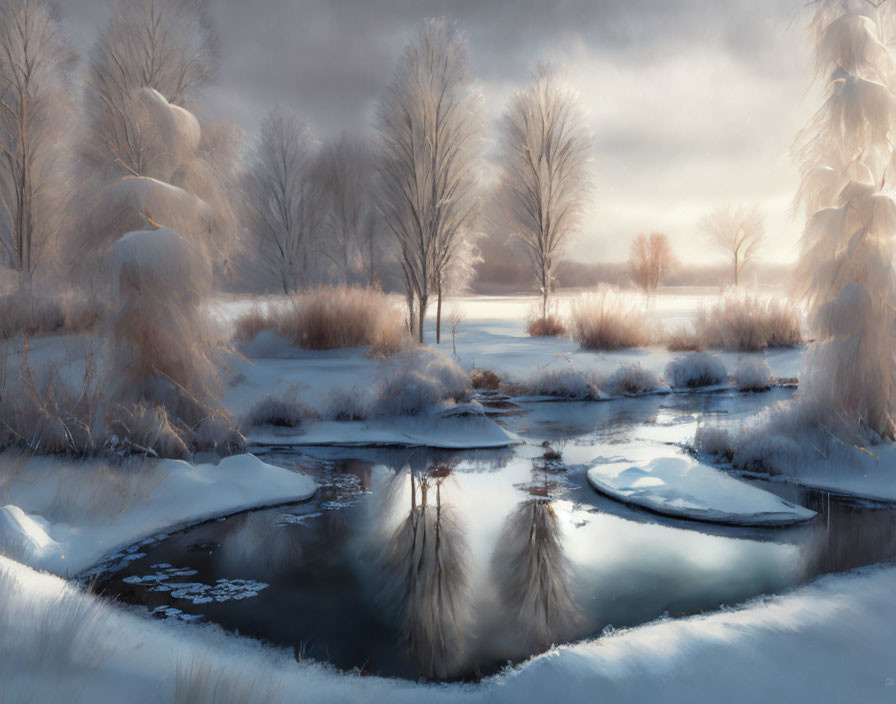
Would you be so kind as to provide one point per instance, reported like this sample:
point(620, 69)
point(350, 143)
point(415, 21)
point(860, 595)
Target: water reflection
point(424, 575)
point(533, 574)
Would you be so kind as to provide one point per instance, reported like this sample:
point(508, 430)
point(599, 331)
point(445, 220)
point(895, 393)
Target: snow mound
point(21, 537)
point(753, 374)
point(696, 370)
point(163, 255)
point(683, 488)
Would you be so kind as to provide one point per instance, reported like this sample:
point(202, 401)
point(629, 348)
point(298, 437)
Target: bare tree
point(544, 170)
point(352, 221)
point(166, 45)
point(739, 231)
point(283, 197)
point(649, 259)
point(35, 65)
point(429, 125)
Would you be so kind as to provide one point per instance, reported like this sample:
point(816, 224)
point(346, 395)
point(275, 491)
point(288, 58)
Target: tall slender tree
point(544, 170)
point(429, 122)
point(35, 65)
point(738, 232)
point(283, 198)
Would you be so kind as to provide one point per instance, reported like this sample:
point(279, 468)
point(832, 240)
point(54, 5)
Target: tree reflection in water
point(532, 572)
point(424, 571)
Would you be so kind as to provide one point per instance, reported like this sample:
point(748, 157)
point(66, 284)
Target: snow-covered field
point(830, 640)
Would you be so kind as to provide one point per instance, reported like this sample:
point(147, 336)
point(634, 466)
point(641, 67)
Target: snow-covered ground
point(831, 641)
point(64, 517)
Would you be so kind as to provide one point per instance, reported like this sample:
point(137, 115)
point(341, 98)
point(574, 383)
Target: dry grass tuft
point(608, 319)
point(331, 317)
point(549, 326)
point(485, 379)
point(681, 338)
point(33, 316)
point(742, 322)
point(202, 682)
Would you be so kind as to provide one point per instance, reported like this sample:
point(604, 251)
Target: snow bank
point(696, 370)
point(22, 537)
point(831, 640)
point(177, 493)
point(681, 487)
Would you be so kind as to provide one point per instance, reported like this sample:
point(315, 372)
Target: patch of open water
point(446, 565)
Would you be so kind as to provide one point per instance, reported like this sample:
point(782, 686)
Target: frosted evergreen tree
point(845, 271)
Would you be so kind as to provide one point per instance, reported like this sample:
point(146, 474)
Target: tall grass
point(608, 319)
point(36, 315)
point(744, 322)
point(333, 317)
point(200, 681)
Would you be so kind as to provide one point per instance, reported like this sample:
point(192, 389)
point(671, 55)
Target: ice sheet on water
point(681, 487)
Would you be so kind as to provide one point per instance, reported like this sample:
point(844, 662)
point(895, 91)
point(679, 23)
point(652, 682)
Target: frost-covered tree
point(283, 197)
point(845, 270)
point(167, 45)
point(649, 259)
point(429, 122)
point(737, 231)
point(544, 170)
point(352, 222)
point(35, 66)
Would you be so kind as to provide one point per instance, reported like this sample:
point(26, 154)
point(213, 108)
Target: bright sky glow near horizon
point(692, 105)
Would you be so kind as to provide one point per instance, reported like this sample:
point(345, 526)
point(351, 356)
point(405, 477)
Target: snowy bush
point(631, 380)
point(281, 412)
point(694, 370)
point(333, 317)
point(162, 338)
point(743, 322)
point(346, 405)
point(608, 319)
point(418, 379)
point(564, 383)
point(753, 374)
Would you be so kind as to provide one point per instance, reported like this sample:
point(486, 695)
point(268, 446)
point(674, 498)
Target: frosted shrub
point(485, 379)
point(753, 374)
point(202, 682)
point(632, 380)
point(417, 380)
point(331, 317)
point(747, 323)
point(695, 370)
point(346, 405)
point(608, 319)
point(163, 342)
point(563, 383)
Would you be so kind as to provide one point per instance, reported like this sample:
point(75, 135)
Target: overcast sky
point(692, 104)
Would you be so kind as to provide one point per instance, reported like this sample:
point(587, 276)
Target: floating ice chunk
point(682, 487)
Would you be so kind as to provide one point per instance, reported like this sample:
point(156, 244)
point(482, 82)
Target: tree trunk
point(735, 270)
point(544, 302)
point(421, 314)
point(439, 317)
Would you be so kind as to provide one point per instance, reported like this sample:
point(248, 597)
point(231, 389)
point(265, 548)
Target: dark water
point(448, 565)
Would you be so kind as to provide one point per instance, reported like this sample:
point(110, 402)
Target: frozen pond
point(447, 565)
